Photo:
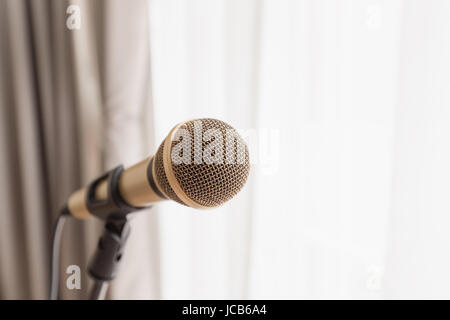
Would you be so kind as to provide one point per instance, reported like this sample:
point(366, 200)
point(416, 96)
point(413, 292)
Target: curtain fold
point(128, 116)
point(417, 262)
point(63, 95)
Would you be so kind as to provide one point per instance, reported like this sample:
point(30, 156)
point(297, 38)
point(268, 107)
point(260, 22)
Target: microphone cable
point(56, 253)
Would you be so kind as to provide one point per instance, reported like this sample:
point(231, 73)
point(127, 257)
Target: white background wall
point(348, 194)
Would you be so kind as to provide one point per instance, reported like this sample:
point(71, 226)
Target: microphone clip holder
point(115, 211)
point(113, 206)
point(105, 263)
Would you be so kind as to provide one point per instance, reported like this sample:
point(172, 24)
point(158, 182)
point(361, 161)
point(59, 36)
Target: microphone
point(202, 163)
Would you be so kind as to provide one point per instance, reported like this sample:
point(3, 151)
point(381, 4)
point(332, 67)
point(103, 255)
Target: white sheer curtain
point(349, 106)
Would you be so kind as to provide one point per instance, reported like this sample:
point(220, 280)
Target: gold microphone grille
point(209, 183)
point(161, 175)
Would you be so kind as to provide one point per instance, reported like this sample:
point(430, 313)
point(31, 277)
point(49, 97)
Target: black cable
point(56, 252)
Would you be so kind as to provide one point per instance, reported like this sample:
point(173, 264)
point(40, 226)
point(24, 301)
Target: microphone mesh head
point(213, 175)
point(161, 175)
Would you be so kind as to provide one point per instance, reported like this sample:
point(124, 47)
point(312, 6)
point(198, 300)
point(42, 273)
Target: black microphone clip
point(113, 206)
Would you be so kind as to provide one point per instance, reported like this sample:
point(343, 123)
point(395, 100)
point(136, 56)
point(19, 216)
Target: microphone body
point(192, 182)
point(134, 188)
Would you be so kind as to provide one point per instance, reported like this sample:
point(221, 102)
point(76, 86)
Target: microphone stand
point(105, 263)
point(114, 210)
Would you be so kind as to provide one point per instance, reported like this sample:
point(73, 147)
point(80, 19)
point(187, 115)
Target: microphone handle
point(135, 188)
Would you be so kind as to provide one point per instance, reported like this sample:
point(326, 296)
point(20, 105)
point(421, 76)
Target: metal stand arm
point(106, 261)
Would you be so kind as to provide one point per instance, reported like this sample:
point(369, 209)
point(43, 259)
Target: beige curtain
point(73, 103)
